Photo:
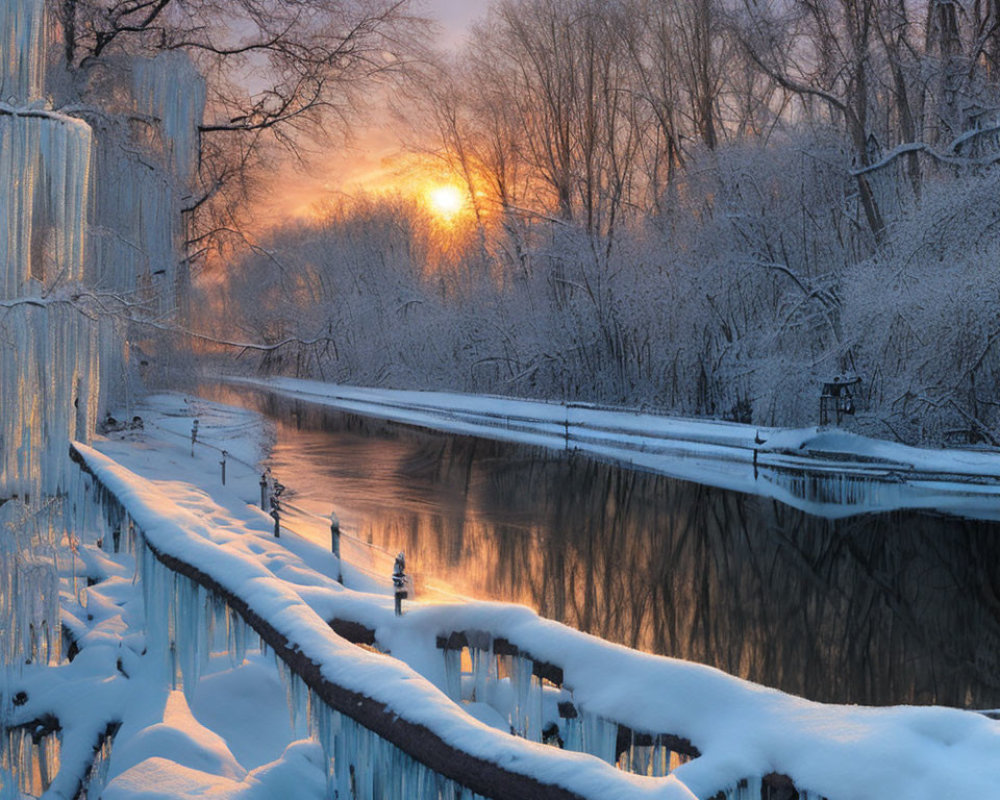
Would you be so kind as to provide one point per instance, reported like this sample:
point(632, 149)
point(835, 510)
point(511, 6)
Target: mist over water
point(898, 607)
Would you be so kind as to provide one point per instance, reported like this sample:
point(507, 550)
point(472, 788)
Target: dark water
point(896, 607)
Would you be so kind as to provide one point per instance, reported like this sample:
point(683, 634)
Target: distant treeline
point(699, 206)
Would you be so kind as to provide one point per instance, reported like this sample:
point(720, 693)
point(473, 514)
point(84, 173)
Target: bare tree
point(282, 72)
point(822, 50)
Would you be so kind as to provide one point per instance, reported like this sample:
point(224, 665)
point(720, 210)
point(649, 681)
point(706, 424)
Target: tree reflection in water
point(896, 607)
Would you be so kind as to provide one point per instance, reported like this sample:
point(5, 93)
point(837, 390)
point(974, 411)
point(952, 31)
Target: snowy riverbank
point(826, 472)
point(226, 734)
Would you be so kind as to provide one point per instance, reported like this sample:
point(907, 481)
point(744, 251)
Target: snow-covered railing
point(745, 733)
point(395, 732)
point(614, 430)
point(499, 666)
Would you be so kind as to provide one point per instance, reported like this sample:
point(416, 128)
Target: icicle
point(660, 761)
point(299, 698)
point(523, 719)
point(589, 733)
point(483, 673)
point(28, 764)
point(190, 633)
point(453, 673)
point(98, 776)
point(157, 583)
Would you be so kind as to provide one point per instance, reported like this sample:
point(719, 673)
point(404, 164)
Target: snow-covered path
point(825, 472)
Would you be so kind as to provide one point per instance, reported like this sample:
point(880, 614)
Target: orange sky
point(376, 160)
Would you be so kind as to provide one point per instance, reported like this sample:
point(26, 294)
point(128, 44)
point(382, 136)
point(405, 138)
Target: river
point(900, 607)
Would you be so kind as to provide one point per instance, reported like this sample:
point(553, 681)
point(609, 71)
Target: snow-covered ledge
point(383, 694)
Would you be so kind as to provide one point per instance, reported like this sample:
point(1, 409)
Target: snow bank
point(828, 473)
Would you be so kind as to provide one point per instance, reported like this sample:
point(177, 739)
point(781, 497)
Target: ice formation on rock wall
point(48, 351)
point(145, 155)
point(58, 362)
point(29, 586)
point(48, 371)
point(44, 179)
point(22, 56)
point(171, 92)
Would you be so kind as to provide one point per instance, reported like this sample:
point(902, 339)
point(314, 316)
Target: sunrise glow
point(445, 200)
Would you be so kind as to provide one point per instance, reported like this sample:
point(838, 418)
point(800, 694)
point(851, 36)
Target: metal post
point(335, 543)
point(275, 514)
point(263, 491)
point(223, 464)
point(399, 582)
point(194, 436)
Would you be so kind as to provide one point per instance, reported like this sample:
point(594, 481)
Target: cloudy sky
point(455, 16)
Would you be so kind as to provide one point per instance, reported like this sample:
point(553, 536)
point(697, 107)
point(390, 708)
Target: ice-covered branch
point(950, 155)
point(256, 346)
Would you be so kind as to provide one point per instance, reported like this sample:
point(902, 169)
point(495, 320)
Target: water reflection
point(887, 608)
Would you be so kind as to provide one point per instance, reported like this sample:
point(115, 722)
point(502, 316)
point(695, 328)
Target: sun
point(445, 200)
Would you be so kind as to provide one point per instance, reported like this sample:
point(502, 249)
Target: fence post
point(335, 543)
point(223, 464)
point(194, 436)
point(263, 491)
point(276, 506)
point(399, 582)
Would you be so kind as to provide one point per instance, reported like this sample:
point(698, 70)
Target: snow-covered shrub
point(923, 316)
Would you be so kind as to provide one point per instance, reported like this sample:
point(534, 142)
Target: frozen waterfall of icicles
point(22, 54)
point(138, 230)
point(58, 364)
point(30, 638)
point(170, 90)
point(48, 353)
point(48, 371)
point(136, 224)
point(44, 180)
point(44, 165)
